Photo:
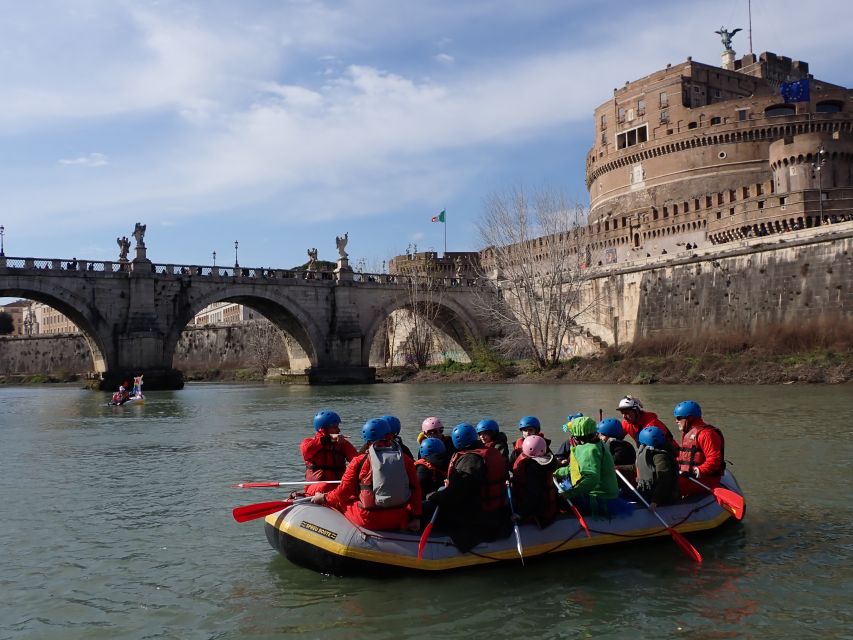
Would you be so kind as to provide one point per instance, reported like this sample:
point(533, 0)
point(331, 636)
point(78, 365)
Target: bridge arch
point(451, 317)
point(86, 316)
point(284, 312)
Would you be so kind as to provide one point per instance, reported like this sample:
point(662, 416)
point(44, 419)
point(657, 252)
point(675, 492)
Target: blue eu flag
point(795, 91)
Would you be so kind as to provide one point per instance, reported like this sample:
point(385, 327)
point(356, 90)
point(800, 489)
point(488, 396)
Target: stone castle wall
point(199, 348)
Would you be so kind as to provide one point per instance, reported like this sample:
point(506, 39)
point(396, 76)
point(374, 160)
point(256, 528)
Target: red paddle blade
point(688, 549)
point(254, 511)
point(581, 520)
point(730, 501)
point(424, 538)
point(256, 485)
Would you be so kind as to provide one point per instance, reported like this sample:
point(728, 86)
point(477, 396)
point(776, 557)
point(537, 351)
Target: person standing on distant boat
point(702, 452)
point(327, 453)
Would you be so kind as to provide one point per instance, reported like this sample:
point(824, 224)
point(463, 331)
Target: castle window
point(745, 191)
point(664, 100)
point(718, 93)
point(633, 136)
point(603, 121)
point(759, 190)
point(828, 106)
point(621, 117)
point(603, 137)
point(654, 214)
point(696, 204)
point(719, 214)
point(716, 120)
point(761, 204)
point(780, 110)
point(719, 198)
point(664, 116)
point(665, 211)
point(675, 209)
point(783, 200)
point(641, 108)
point(691, 125)
point(709, 202)
point(732, 195)
point(742, 114)
point(686, 207)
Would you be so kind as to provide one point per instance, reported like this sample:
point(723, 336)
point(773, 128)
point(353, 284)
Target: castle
point(696, 154)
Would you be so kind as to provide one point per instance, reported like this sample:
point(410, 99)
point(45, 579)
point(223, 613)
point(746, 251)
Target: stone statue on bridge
point(312, 259)
point(124, 247)
point(341, 242)
point(139, 234)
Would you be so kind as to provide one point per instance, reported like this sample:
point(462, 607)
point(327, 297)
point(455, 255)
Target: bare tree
point(537, 261)
point(420, 319)
point(265, 343)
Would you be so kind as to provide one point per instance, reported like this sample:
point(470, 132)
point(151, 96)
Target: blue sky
point(282, 124)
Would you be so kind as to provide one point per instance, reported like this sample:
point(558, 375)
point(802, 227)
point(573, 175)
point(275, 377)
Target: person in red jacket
point(533, 489)
point(380, 489)
point(703, 450)
point(326, 454)
point(635, 419)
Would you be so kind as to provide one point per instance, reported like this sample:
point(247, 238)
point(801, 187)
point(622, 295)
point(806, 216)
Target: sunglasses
point(434, 431)
point(681, 417)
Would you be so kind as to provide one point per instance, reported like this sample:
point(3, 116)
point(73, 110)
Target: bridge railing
point(62, 264)
point(397, 278)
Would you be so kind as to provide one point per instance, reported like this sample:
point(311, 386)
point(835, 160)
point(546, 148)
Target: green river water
point(116, 522)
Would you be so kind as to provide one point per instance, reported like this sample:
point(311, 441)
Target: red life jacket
point(493, 489)
point(117, 397)
point(438, 475)
point(523, 489)
point(693, 456)
point(329, 463)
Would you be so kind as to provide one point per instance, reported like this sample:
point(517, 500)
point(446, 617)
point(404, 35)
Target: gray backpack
point(390, 486)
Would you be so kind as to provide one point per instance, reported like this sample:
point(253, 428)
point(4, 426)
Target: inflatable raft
point(322, 539)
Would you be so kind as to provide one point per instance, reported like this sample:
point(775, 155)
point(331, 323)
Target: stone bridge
point(133, 312)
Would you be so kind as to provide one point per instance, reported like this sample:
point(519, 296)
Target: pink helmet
point(431, 424)
point(534, 446)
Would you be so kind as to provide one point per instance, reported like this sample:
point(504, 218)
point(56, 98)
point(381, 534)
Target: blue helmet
point(652, 437)
point(688, 409)
point(529, 422)
point(464, 435)
point(569, 419)
point(393, 424)
point(374, 429)
point(487, 424)
point(431, 447)
point(611, 427)
point(325, 419)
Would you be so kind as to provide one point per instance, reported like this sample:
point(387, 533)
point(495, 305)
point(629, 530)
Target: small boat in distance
point(136, 396)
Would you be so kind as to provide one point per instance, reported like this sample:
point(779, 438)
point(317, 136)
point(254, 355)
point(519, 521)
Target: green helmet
point(583, 426)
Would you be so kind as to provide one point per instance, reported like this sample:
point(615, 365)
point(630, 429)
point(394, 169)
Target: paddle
point(727, 499)
point(574, 510)
point(688, 549)
point(425, 534)
point(254, 511)
point(515, 527)
point(257, 485)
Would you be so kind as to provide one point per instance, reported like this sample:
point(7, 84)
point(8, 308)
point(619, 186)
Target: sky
point(281, 124)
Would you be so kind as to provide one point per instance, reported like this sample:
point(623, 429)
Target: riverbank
point(742, 368)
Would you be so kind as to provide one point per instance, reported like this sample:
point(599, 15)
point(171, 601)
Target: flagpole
point(445, 233)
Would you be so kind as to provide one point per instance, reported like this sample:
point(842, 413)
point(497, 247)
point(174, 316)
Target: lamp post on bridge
point(819, 161)
point(2, 233)
point(214, 258)
point(236, 264)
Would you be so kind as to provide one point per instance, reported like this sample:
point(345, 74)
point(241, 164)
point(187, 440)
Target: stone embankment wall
point(739, 287)
point(200, 348)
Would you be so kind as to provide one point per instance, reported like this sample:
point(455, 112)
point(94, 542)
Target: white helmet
point(630, 402)
point(121, 388)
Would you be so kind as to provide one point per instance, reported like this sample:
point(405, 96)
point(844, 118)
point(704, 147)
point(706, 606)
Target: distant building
point(225, 313)
point(17, 310)
point(45, 320)
point(453, 264)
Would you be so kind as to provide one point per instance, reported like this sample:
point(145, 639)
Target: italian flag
point(440, 216)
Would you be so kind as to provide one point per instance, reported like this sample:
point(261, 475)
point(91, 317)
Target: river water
point(116, 522)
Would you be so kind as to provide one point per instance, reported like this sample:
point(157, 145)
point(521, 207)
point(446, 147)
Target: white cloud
point(90, 160)
point(444, 58)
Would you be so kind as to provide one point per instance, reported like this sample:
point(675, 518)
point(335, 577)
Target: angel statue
point(341, 242)
point(312, 259)
point(139, 234)
point(123, 247)
point(727, 37)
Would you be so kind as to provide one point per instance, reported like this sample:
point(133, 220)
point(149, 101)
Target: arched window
point(828, 106)
point(780, 110)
